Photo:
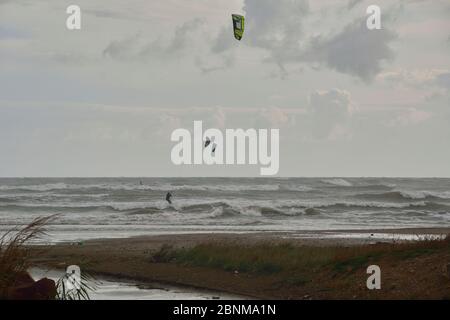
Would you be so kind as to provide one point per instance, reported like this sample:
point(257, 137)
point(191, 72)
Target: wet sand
point(310, 238)
point(109, 288)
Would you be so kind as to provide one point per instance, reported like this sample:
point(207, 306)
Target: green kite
point(238, 26)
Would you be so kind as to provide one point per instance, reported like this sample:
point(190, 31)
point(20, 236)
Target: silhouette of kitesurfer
point(207, 142)
point(168, 196)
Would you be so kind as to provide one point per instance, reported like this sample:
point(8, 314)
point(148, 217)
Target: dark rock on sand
point(26, 288)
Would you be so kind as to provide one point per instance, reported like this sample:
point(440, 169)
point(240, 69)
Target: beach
point(270, 266)
point(264, 238)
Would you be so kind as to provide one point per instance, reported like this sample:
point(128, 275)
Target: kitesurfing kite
point(238, 26)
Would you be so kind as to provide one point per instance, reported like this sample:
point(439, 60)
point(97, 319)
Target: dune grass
point(14, 253)
point(299, 260)
point(15, 256)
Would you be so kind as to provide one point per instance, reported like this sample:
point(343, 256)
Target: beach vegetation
point(298, 260)
point(16, 252)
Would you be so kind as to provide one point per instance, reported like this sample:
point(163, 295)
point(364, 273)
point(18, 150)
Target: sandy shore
point(301, 237)
point(133, 258)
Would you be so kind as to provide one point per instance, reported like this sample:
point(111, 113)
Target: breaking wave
point(163, 187)
point(337, 182)
point(289, 204)
point(235, 207)
point(405, 195)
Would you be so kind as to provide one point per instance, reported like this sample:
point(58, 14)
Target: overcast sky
point(103, 101)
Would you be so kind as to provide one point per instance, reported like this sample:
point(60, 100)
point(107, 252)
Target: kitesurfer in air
point(207, 142)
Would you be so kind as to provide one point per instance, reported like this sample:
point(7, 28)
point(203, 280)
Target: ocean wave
point(34, 187)
point(223, 187)
point(6, 200)
point(426, 194)
point(422, 205)
point(375, 186)
point(137, 187)
point(215, 208)
point(48, 208)
point(337, 182)
point(50, 197)
point(220, 208)
point(103, 188)
point(228, 207)
point(405, 195)
point(294, 187)
point(313, 211)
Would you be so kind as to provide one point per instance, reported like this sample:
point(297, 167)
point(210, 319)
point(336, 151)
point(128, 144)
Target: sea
point(89, 208)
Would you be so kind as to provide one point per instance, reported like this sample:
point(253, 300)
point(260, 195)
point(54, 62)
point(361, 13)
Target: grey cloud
point(417, 79)
point(135, 47)
point(224, 41)
point(181, 37)
point(353, 3)
point(221, 47)
point(329, 110)
point(122, 49)
point(355, 50)
point(275, 26)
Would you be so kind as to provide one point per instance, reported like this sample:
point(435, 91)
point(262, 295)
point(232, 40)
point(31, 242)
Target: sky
point(104, 100)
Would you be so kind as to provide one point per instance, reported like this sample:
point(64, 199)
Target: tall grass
point(14, 254)
point(15, 261)
point(275, 258)
point(260, 258)
point(87, 285)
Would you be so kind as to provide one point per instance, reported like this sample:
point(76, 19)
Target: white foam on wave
point(242, 205)
point(222, 187)
point(35, 187)
point(131, 187)
point(294, 187)
point(338, 182)
point(418, 194)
